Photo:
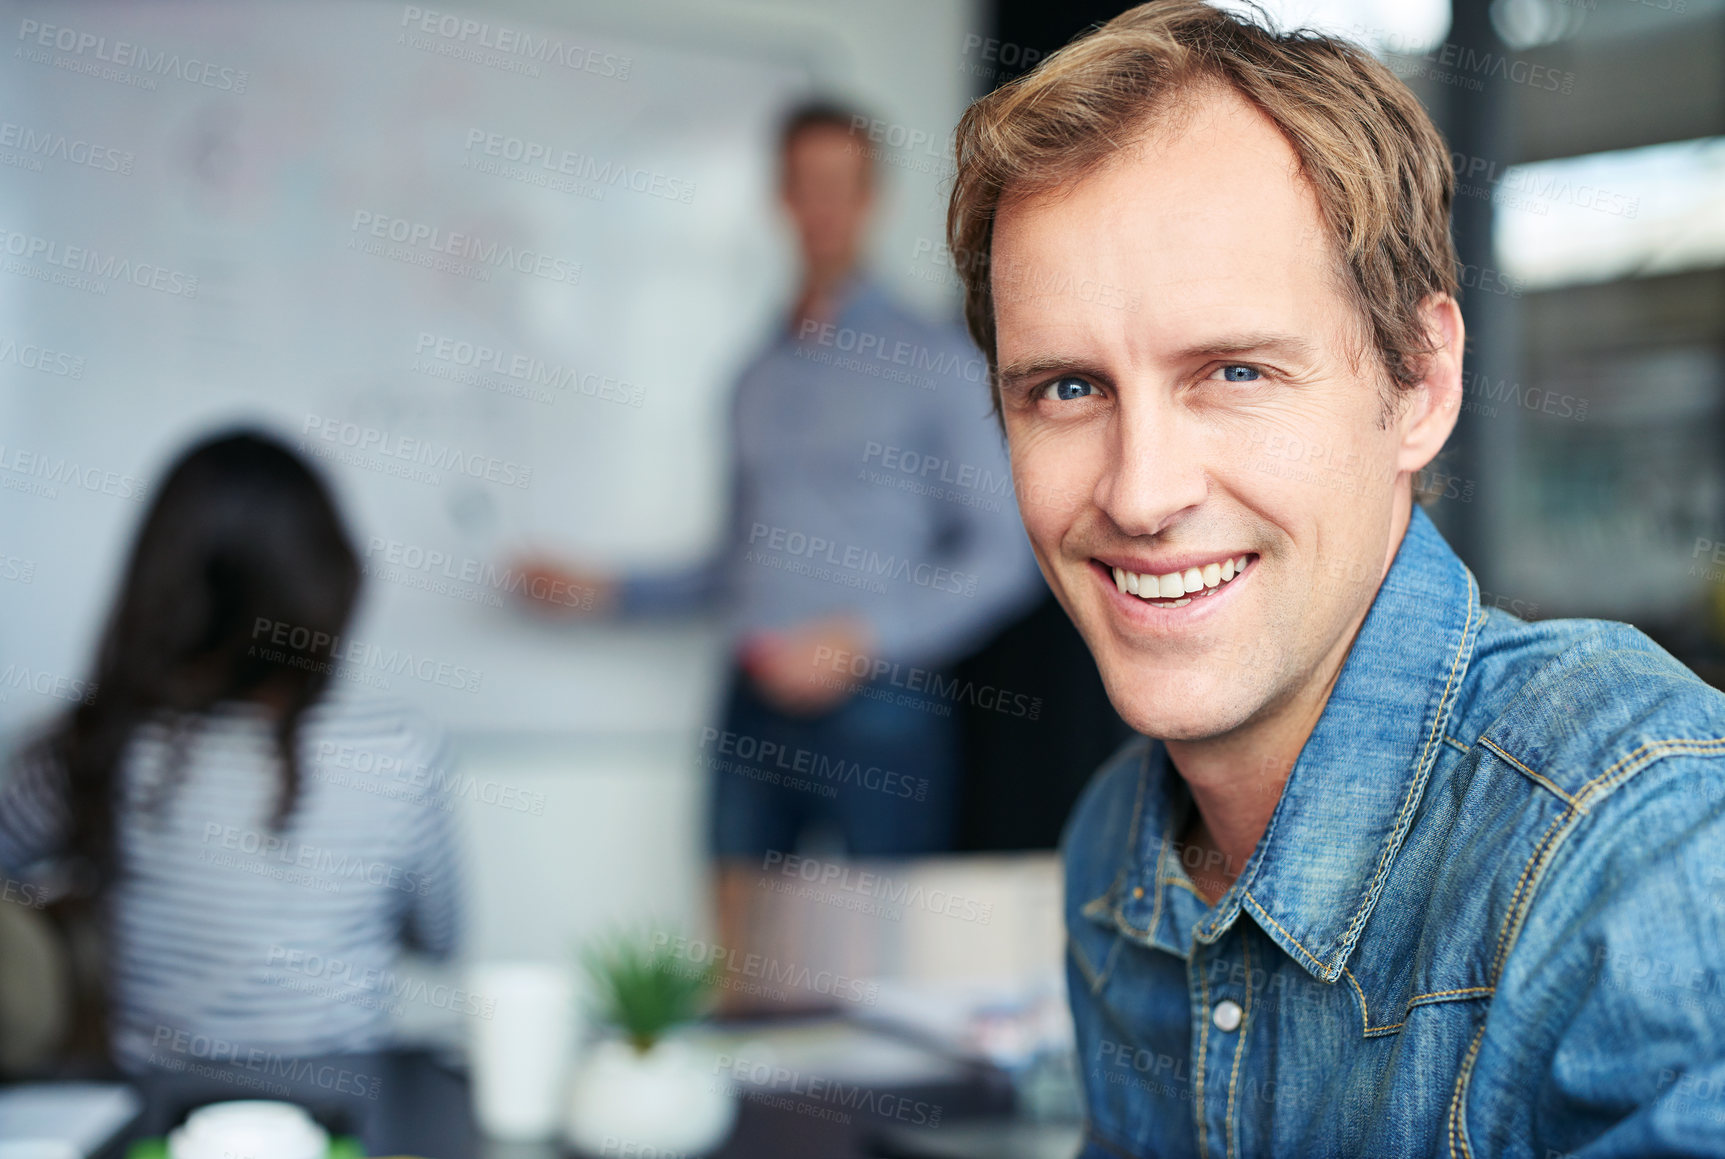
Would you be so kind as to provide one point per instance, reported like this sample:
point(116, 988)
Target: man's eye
point(1066, 389)
point(1239, 373)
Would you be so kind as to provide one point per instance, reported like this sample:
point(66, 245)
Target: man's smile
point(1171, 584)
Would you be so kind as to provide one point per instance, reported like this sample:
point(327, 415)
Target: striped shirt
point(227, 937)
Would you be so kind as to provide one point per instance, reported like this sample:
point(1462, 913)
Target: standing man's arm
point(558, 587)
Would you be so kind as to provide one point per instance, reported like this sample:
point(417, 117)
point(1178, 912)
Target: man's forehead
point(1210, 216)
point(1218, 160)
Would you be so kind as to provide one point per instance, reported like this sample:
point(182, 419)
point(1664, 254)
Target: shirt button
point(1138, 891)
point(1226, 1015)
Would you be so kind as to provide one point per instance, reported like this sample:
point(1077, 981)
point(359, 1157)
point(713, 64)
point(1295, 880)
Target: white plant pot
point(670, 1101)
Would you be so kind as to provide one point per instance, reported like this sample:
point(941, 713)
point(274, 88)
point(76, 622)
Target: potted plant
point(641, 1084)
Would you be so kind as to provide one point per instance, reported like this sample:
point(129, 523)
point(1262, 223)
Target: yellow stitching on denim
point(1161, 860)
point(1437, 724)
point(1417, 999)
point(1544, 780)
point(1233, 1126)
point(1366, 1027)
point(1115, 887)
point(1082, 961)
point(1095, 978)
point(1421, 1000)
point(1677, 742)
point(1665, 748)
point(1365, 1015)
point(1138, 804)
point(1126, 926)
point(1108, 964)
point(1521, 882)
point(1662, 748)
point(1602, 781)
point(1183, 884)
point(1454, 743)
point(1203, 1050)
point(1265, 914)
point(1456, 1118)
point(1512, 920)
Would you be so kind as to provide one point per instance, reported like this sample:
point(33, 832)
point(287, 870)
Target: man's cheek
point(1050, 484)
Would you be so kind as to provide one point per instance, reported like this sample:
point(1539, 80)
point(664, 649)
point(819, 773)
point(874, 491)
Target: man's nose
point(1155, 468)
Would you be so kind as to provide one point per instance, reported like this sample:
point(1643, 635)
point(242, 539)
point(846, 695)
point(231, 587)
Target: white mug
point(519, 1056)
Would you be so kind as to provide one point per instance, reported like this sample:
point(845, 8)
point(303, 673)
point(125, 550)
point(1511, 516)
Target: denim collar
point(1321, 865)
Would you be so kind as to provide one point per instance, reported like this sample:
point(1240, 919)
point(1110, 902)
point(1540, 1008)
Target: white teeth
point(1174, 587)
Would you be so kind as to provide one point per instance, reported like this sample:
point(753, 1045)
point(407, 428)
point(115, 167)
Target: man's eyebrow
point(1258, 342)
point(1221, 346)
point(1022, 369)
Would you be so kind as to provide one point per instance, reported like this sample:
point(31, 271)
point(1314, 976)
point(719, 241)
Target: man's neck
point(822, 288)
point(1236, 779)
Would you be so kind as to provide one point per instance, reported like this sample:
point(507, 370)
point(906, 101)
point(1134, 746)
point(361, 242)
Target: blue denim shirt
point(1487, 916)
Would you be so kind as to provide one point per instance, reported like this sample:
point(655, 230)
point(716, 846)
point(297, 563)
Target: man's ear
point(1430, 407)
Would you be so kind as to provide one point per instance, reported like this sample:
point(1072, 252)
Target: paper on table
point(63, 1120)
point(834, 1049)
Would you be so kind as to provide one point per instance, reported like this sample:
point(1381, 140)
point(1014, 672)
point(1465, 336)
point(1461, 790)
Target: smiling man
point(1391, 873)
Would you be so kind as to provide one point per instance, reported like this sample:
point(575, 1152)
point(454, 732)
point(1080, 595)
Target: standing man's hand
point(795, 669)
point(555, 588)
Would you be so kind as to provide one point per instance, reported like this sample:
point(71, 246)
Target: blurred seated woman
point(262, 840)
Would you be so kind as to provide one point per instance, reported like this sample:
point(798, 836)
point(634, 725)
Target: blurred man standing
point(874, 539)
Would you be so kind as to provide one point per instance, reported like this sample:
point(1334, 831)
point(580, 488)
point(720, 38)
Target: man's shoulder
point(1609, 920)
point(889, 316)
point(1584, 705)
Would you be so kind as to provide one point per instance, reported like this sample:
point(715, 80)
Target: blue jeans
point(881, 767)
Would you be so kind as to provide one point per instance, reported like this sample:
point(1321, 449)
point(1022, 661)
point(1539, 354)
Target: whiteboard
point(496, 274)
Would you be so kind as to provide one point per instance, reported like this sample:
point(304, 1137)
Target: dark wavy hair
point(240, 533)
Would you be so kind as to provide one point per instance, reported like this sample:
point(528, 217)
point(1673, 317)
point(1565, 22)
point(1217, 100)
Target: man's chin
point(1202, 713)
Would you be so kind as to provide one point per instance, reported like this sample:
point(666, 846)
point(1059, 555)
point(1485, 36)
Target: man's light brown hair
point(1378, 166)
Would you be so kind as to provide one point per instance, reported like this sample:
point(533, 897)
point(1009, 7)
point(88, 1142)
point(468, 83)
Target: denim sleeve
point(1606, 1036)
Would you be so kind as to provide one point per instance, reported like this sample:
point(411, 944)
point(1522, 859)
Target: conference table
point(422, 1107)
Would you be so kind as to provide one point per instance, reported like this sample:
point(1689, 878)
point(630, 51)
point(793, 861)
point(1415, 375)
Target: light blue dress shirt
point(869, 478)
